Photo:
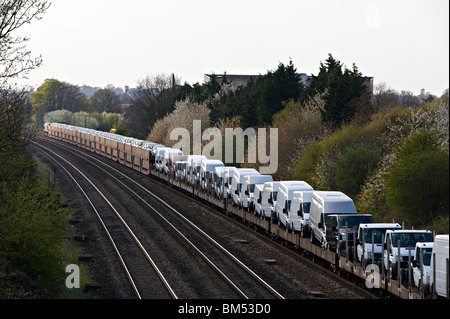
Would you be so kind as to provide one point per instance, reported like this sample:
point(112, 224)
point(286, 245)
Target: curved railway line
point(131, 157)
point(146, 282)
point(255, 286)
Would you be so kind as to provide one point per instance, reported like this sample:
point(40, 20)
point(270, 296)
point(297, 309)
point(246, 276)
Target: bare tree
point(154, 97)
point(14, 116)
point(105, 100)
point(15, 59)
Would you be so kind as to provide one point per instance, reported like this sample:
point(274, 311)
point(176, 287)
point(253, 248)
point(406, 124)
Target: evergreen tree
point(341, 88)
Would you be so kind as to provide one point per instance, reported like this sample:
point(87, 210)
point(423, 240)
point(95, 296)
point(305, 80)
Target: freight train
point(322, 224)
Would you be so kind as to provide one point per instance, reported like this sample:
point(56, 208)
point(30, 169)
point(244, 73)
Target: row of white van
point(328, 217)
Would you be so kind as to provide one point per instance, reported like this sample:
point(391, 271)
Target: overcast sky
point(98, 42)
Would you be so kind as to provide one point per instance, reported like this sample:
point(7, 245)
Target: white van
point(195, 171)
point(227, 178)
point(283, 206)
point(257, 198)
point(167, 154)
point(179, 169)
point(206, 173)
point(154, 147)
point(408, 240)
point(189, 170)
point(248, 188)
point(324, 203)
point(236, 183)
point(159, 155)
point(420, 265)
point(269, 199)
point(218, 180)
point(440, 251)
point(364, 248)
point(300, 205)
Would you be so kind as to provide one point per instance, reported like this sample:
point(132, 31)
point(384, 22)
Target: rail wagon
point(139, 156)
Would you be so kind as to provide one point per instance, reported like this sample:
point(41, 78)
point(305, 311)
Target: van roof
point(191, 158)
point(352, 215)
point(173, 150)
point(212, 161)
point(381, 225)
point(258, 178)
point(331, 196)
point(245, 171)
point(441, 238)
point(305, 195)
point(408, 231)
point(296, 185)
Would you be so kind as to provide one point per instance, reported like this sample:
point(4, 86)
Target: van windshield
point(378, 235)
point(427, 256)
point(354, 221)
point(410, 239)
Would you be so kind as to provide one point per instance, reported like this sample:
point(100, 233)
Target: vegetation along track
point(292, 278)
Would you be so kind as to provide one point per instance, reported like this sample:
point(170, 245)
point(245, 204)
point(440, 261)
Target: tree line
point(33, 218)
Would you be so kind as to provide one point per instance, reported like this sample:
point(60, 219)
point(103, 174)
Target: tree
point(261, 98)
point(341, 88)
point(105, 100)
point(55, 95)
point(153, 99)
point(15, 59)
point(14, 129)
point(417, 187)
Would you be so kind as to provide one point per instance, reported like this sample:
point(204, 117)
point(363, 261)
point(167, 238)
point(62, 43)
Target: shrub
point(32, 229)
point(417, 188)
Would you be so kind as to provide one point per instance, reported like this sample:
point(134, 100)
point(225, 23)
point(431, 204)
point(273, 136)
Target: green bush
point(32, 229)
point(342, 161)
point(417, 188)
point(354, 165)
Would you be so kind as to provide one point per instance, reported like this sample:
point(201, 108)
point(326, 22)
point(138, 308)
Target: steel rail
point(204, 234)
point(147, 256)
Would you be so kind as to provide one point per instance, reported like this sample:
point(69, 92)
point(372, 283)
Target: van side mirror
point(258, 201)
point(246, 193)
point(236, 192)
point(284, 211)
point(270, 201)
point(320, 225)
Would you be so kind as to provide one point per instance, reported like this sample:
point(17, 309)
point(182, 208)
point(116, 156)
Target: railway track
point(244, 282)
point(146, 282)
